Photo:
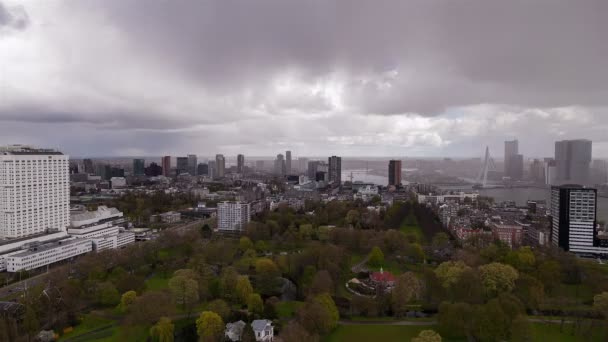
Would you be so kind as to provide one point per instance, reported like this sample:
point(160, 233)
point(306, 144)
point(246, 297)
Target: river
point(518, 195)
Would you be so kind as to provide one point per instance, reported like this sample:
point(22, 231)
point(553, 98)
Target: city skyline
point(421, 79)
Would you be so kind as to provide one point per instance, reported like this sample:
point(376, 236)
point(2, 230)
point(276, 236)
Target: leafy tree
point(440, 240)
point(353, 218)
point(31, 325)
point(468, 288)
point(127, 299)
point(248, 334)
point(415, 252)
point(449, 272)
point(600, 303)
point(529, 290)
point(498, 278)
point(522, 259)
point(228, 283)
point(245, 244)
point(162, 331)
point(243, 289)
point(454, 319)
point(255, 304)
point(210, 326)
point(322, 283)
point(294, 332)
point(184, 290)
point(407, 288)
point(427, 336)
point(220, 307)
point(319, 314)
point(150, 307)
point(549, 273)
point(267, 273)
point(107, 294)
point(376, 257)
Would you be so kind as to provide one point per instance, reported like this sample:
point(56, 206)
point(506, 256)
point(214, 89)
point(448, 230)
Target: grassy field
point(395, 333)
point(89, 323)
point(157, 282)
point(288, 309)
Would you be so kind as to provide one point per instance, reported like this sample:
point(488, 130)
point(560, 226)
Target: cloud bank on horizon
point(349, 77)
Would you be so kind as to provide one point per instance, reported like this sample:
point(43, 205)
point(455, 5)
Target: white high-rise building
point(34, 191)
point(233, 216)
point(573, 212)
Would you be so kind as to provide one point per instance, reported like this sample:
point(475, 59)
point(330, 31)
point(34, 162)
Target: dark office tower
point(212, 169)
point(511, 149)
point(166, 165)
point(573, 213)
point(88, 166)
point(182, 165)
point(279, 165)
point(288, 162)
point(394, 172)
point(312, 169)
point(192, 163)
point(138, 167)
point(573, 159)
point(220, 166)
point(203, 169)
point(153, 170)
point(240, 163)
point(104, 171)
point(335, 169)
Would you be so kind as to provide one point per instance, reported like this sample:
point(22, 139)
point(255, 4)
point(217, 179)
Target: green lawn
point(288, 309)
point(384, 333)
point(157, 282)
point(88, 324)
point(550, 332)
point(409, 229)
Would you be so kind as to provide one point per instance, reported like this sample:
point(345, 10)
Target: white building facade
point(34, 191)
point(47, 254)
point(233, 216)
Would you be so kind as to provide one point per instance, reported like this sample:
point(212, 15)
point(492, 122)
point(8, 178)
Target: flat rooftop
point(49, 246)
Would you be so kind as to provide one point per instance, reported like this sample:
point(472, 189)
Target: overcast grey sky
point(348, 77)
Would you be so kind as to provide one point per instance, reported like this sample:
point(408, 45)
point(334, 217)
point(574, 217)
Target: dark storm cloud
point(14, 18)
point(448, 53)
point(141, 77)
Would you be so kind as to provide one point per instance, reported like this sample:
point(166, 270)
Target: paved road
point(19, 286)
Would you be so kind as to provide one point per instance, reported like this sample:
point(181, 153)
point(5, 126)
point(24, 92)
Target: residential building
point(287, 162)
point(573, 213)
point(335, 169)
point(35, 191)
point(394, 172)
point(510, 234)
point(220, 166)
point(263, 330)
point(234, 331)
point(166, 165)
point(240, 163)
point(573, 161)
point(170, 217)
point(43, 255)
point(192, 165)
point(233, 216)
point(139, 167)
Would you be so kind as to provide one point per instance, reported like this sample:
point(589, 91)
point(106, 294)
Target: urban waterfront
point(519, 195)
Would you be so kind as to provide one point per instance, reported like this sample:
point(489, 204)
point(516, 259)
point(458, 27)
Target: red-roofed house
point(384, 278)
